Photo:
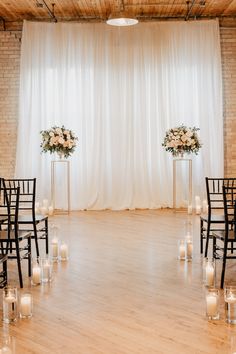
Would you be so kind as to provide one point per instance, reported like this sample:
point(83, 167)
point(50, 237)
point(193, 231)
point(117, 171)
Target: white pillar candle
point(182, 249)
point(190, 209)
point(50, 210)
point(26, 305)
point(189, 248)
point(36, 274)
point(198, 209)
point(64, 251)
point(55, 248)
point(211, 302)
point(204, 206)
point(210, 274)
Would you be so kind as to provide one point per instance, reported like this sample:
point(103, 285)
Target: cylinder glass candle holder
point(26, 305)
point(64, 252)
point(36, 271)
point(182, 250)
point(9, 304)
point(46, 270)
point(209, 272)
point(212, 304)
point(230, 304)
point(55, 249)
point(198, 209)
point(189, 248)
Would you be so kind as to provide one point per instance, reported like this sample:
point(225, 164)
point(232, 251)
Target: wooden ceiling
point(99, 10)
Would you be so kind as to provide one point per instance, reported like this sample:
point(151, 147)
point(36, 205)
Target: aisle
point(123, 291)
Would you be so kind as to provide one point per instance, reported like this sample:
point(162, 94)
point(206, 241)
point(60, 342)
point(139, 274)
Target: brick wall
point(228, 50)
point(9, 88)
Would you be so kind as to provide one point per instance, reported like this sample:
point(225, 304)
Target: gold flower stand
point(180, 161)
point(54, 181)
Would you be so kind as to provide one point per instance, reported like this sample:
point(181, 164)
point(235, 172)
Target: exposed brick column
point(228, 50)
point(9, 93)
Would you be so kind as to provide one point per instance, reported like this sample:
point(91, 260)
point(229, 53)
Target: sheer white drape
point(120, 89)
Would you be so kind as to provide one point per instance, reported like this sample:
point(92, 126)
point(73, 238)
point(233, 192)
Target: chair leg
point(29, 257)
point(223, 266)
point(207, 238)
point(214, 247)
point(5, 271)
point(19, 264)
point(46, 235)
point(201, 236)
point(36, 239)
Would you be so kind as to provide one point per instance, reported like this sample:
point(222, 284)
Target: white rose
point(53, 140)
point(58, 131)
point(189, 134)
point(61, 140)
point(51, 134)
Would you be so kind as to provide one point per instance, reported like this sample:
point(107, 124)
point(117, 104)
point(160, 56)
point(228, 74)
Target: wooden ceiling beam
point(51, 12)
point(190, 7)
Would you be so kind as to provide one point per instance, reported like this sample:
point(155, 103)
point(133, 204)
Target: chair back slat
point(229, 197)
point(27, 192)
point(12, 198)
point(214, 188)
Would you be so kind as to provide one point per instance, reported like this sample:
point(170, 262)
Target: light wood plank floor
point(123, 291)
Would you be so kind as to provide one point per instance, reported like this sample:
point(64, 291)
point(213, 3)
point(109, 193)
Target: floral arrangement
point(182, 140)
point(58, 139)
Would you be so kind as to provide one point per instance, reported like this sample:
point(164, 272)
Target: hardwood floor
point(123, 291)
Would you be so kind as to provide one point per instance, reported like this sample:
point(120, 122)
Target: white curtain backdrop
point(119, 90)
